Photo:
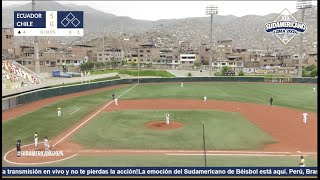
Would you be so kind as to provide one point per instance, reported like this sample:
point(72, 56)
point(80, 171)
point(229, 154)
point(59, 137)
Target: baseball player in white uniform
point(181, 84)
point(116, 101)
point(314, 89)
point(167, 118)
point(46, 144)
point(304, 117)
point(59, 111)
point(205, 99)
point(36, 139)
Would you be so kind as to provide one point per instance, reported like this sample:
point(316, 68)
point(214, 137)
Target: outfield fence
point(15, 100)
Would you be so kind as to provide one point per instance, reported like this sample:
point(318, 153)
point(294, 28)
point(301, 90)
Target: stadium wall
point(28, 97)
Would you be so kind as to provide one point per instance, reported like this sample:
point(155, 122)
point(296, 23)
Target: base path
point(283, 124)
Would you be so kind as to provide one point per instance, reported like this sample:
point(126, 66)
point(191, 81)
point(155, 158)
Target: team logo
point(285, 27)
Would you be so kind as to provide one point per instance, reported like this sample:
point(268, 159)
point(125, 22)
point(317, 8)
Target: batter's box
point(65, 22)
point(75, 22)
point(70, 17)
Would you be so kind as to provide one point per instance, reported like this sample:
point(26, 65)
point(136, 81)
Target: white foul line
point(74, 111)
point(231, 155)
point(92, 116)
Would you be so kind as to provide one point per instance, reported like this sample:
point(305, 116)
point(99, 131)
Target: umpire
point(18, 144)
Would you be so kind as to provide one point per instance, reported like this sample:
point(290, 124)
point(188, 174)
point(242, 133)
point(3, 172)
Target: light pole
point(36, 45)
point(211, 10)
point(303, 5)
point(204, 145)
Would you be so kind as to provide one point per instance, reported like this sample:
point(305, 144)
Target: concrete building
point(8, 49)
point(224, 48)
point(184, 45)
point(167, 59)
point(110, 54)
point(133, 57)
point(312, 59)
point(187, 60)
point(147, 53)
point(269, 60)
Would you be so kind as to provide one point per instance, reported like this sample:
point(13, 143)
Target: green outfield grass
point(125, 129)
point(299, 96)
point(44, 120)
point(129, 160)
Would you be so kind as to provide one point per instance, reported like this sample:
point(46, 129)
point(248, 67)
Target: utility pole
point(36, 45)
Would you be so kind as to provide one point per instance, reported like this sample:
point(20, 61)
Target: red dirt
point(161, 125)
point(283, 124)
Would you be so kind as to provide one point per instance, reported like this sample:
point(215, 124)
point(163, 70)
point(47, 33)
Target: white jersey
point(167, 118)
point(205, 98)
point(305, 115)
point(46, 143)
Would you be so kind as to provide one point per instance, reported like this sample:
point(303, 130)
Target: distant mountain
point(246, 31)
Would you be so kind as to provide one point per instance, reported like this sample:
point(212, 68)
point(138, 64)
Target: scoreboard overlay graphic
point(48, 23)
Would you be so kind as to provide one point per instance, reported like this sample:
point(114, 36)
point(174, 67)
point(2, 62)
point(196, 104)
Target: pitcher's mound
point(161, 125)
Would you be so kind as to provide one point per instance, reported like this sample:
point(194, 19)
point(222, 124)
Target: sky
point(155, 10)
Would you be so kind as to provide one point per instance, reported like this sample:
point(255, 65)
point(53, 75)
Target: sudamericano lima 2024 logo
point(285, 27)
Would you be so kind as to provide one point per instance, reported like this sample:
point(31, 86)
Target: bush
point(241, 73)
point(189, 74)
point(310, 71)
point(225, 69)
point(314, 73)
point(311, 67)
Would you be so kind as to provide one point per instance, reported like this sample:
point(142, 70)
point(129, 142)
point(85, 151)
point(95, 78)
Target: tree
point(123, 62)
point(114, 63)
point(87, 66)
point(225, 69)
point(305, 73)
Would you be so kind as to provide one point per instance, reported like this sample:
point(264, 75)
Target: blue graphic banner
point(70, 19)
point(160, 171)
point(29, 19)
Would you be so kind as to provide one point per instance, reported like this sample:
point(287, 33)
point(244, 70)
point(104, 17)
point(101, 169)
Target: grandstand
point(15, 75)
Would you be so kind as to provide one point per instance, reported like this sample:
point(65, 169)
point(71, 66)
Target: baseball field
point(235, 127)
